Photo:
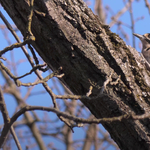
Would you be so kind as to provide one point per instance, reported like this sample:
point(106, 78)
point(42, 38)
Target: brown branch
point(29, 120)
point(121, 12)
point(16, 45)
point(71, 36)
point(29, 59)
point(99, 10)
point(7, 127)
point(132, 22)
point(147, 5)
point(30, 19)
point(77, 119)
point(19, 83)
point(34, 55)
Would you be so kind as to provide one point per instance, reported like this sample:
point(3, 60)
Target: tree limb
point(71, 36)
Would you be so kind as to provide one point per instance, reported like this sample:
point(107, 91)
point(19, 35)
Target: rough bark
point(71, 36)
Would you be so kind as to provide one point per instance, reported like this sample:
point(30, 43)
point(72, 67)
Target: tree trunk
point(69, 35)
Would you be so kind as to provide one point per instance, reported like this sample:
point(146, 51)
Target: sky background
point(141, 27)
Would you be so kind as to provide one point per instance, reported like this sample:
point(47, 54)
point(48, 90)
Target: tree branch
point(71, 36)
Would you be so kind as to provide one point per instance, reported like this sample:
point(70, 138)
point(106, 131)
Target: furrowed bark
point(69, 35)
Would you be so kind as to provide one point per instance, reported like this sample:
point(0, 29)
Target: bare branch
point(6, 128)
point(147, 5)
point(121, 12)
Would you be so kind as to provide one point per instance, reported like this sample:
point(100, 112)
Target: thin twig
point(77, 119)
point(147, 5)
point(45, 85)
point(7, 125)
point(121, 12)
point(132, 22)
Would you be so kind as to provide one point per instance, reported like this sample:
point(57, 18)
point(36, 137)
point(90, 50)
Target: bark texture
point(68, 34)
